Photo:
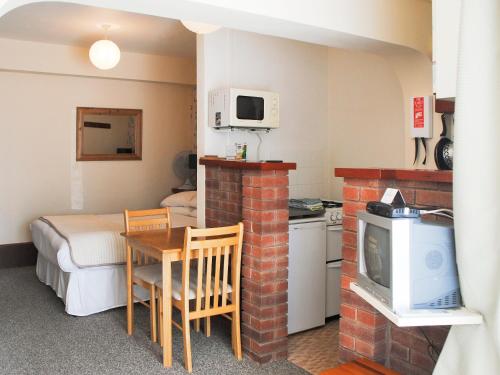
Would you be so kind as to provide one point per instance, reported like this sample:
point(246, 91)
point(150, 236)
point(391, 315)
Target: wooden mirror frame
point(82, 111)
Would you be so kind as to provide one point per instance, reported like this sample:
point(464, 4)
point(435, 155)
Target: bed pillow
point(181, 210)
point(183, 199)
point(194, 212)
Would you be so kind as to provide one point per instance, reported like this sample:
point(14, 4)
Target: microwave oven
point(407, 263)
point(241, 108)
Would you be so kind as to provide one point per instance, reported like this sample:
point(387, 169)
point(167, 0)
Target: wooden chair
point(211, 294)
point(146, 273)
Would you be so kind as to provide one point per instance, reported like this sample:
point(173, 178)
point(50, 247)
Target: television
point(407, 263)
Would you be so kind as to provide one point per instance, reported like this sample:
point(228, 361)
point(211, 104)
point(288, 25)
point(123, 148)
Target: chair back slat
point(217, 276)
point(139, 220)
point(208, 283)
point(145, 213)
point(212, 278)
point(144, 220)
point(199, 284)
point(224, 275)
point(212, 232)
point(149, 224)
point(206, 243)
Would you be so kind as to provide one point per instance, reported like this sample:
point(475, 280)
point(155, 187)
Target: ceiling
point(78, 25)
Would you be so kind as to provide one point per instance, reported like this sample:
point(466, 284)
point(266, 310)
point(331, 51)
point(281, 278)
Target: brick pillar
point(260, 199)
point(363, 330)
point(265, 264)
point(222, 196)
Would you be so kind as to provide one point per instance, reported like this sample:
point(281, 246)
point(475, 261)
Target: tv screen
point(377, 252)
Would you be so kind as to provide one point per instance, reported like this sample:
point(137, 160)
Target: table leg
point(130, 296)
point(167, 311)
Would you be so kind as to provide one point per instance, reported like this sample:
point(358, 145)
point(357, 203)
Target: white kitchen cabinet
point(306, 274)
point(445, 30)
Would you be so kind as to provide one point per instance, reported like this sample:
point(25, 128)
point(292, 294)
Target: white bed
point(84, 290)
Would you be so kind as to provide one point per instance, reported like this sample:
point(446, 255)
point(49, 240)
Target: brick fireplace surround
point(257, 194)
point(363, 330)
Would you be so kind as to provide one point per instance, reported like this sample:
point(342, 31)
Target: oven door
point(333, 271)
point(333, 242)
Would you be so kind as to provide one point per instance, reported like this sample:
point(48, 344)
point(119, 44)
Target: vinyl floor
point(317, 349)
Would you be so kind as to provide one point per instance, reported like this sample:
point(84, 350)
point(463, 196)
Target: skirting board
point(17, 255)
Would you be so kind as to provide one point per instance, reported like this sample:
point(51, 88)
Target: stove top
point(299, 213)
point(330, 203)
point(333, 212)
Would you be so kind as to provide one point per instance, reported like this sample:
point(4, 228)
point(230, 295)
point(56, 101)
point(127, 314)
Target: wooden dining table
point(165, 246)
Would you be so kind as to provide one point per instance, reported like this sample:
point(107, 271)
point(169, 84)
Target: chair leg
point(197, 325)
point(152, 312)
point(233, 340)
point(236, 334)
point(207, 319)
point(207, 326)
point(187, 340)
point(160, 315)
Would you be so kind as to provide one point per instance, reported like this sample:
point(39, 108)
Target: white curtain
point(475, 350)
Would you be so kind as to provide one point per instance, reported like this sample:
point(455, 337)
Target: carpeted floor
point(38, 337)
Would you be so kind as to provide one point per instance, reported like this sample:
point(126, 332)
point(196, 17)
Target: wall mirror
point(108, 134)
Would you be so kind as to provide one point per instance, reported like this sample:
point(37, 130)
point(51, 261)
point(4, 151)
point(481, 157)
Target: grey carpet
point(38, 337)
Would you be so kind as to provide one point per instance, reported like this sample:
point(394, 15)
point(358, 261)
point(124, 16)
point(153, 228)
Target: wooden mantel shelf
point(237, 164)
point(396, 174)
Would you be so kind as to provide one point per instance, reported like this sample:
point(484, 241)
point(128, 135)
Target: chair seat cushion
point(193, 280)
point(151, 273)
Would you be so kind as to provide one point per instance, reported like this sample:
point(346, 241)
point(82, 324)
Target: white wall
point(338, 108)
point(414, 72)
point(353, 23)
point(38, 170)
point(49, 58)
point(335, 23)
point(365, 114)
point(297, 71)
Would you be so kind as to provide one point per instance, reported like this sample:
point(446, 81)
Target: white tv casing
point(396, 297)
point(222, 109)
point(415, 276)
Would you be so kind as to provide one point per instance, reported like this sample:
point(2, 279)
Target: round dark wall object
point(442, 153)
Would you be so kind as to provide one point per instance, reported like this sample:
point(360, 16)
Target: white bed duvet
point(94, 240)
point(84, 290)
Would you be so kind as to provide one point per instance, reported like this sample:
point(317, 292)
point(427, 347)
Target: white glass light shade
point(104, 54)
point(200, 27)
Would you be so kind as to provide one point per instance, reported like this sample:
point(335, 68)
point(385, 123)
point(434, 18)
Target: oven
point(333, 216)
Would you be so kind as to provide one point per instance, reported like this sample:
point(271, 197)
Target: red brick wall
point(222, 196)
point(409, 348)
point(265, 264)
point(260, 199)
point(363, 330)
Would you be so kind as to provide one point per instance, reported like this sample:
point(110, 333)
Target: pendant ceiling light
point(104, 53)
point(200, 27)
